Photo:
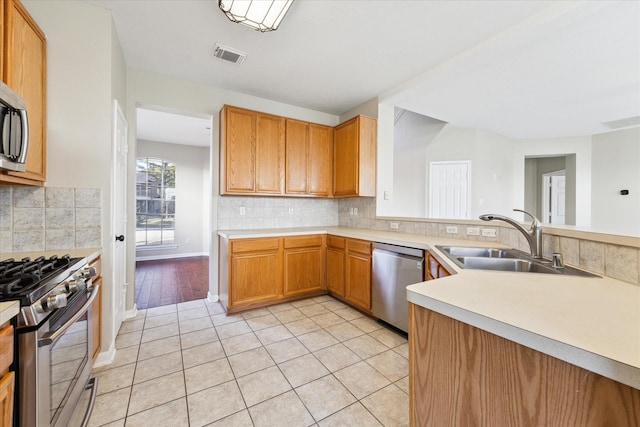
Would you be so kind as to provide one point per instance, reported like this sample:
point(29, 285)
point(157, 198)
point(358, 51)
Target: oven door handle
point(50, 337)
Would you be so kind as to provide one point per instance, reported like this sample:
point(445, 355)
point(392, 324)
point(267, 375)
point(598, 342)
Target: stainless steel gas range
point(53, 339)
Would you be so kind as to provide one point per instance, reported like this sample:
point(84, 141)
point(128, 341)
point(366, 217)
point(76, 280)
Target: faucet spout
point(533, 234)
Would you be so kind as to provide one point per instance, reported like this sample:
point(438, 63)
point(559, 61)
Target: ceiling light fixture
point(261, 15)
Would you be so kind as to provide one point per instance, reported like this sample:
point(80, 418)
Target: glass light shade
point(261, 15)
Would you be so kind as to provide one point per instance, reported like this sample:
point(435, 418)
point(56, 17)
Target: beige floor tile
point(258, 312)
point(250, 361)
point(302, 326)
point(289, 315)
point(156, 392)
point(273, 334)
point(124, 356)
point(390, 364)
point(324, 396)
point(214, 403)
point(403, 384)
point(402, 350)
point(263, 322)
point(195, 338)
point(323, 298)
point(284, 410)
point(118, 423)
point(314, 309)
point(110, 407)
point(389, 405)
point(327, 319)
point(366, 324)
point(131, 325)
point(349, 313)
point(196, 324)
point(262, 385)
point(158, 347)
point(354, 415)
point(302, 302)
point(171, 414)
point(389, 338)
point(344, 331)
point(336, 357)
point(196, 313)
point(161, 310)
point(303, 369)
point(318, 339)
point(232, 329)
point(128, 340)
point(361, 379)
point(207, 375)
point(214, 307)
point(239, 419)
point(280, 307)
point(223, 318)
point(334, 305)
point(191, 305)
point(140, 314)
point(158, 366)
point(240, 343)
point(365, 346)
point(115, 379)
point(152, 334)
point(161, 320)
point(198, 355)
point(286, 350)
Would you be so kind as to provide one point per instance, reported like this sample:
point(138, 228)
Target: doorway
point(554, 197)
point(173, 193)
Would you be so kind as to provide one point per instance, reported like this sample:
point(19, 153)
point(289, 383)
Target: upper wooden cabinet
point(308, 159)
point(24, 70)
point(251, 152)
point(354, 158)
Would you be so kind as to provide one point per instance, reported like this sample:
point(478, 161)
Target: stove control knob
point(84, 273)
point(54, 302)
point(72, 285)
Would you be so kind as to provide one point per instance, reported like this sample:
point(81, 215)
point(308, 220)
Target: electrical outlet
point(473, 231)
point(452, 229)
point(393, 225)
point(386, 195)
point(355, 211)
point(489, 232)
point(350, 211)
point(290, 210)
point(242, 210)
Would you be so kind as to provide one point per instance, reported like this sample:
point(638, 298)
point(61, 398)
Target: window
point(155, 202)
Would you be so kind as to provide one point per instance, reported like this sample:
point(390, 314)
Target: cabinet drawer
point(302, 241)
point(6, 348)
point(250, 245)
point(359, 246)
point(336, 242)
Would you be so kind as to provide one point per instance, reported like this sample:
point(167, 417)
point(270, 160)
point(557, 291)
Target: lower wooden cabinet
point(357, 288)
point(304, 264)
point(7, 378)
point(335, 264)
point(435, 269)
point(255, 273)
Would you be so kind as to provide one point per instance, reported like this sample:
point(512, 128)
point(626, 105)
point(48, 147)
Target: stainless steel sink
point(496, 259)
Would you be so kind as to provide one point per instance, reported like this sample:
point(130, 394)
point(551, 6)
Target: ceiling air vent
point(228, 54)
point(623, 123)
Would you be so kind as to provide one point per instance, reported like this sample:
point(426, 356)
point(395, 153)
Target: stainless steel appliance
point(14, 130)
point(394, 268)
point(53, 339)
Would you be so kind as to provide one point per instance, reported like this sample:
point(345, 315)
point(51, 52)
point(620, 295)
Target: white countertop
point(8, 310)
point(593, 323)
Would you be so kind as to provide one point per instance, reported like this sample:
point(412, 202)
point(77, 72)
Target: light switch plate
point(452, 229)
point(393, 225)
point(473, 231)
point(489, 232)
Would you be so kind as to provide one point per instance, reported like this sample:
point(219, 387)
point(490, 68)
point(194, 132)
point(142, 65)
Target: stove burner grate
point(19, 277)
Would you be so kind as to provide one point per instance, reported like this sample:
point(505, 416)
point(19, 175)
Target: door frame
point(547, 194)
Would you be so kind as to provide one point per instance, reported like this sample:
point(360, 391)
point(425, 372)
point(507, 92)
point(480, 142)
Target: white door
point(119, 214)
point(449, 189)
point(553, 197)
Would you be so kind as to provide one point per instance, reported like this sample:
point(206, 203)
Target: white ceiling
point(523, 69)
point(172, 128)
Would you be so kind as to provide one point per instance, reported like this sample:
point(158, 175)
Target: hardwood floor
point(171, 281)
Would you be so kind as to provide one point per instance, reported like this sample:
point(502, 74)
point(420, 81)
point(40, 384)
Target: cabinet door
point(335, 271)
point(358, 280)
point(7, 384)
point(96, 321)
point(238, 150)
point(296, 157)
point(25, 72)
point(304, 264)
point(345, 160)
point(255, 271)
point(270, 141)
point(320, 165)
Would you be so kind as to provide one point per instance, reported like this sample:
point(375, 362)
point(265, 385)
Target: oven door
point(64, 357)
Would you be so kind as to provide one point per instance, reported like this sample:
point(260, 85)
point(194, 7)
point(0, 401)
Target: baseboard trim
point(130, 314)
point(105, 357)
point(212, 298)
point(171, 256)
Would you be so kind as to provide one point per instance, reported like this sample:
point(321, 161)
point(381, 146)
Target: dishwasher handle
point(419, 253)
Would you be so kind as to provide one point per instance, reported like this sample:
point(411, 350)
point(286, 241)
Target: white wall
point(85, 71)
point(615, 167)
point(144, 88)
point(191, 197)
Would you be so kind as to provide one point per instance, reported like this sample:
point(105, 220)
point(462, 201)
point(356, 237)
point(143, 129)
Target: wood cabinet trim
point(6, 348)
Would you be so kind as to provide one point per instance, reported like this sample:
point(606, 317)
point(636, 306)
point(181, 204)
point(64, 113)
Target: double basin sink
point(505, 260)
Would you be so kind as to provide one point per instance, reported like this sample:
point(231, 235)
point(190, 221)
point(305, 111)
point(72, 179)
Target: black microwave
point(14, 130)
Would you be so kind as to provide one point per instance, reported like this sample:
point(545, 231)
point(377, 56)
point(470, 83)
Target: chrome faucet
point(533, 234)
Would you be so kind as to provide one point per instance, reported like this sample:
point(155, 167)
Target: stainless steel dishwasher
point(394, 268)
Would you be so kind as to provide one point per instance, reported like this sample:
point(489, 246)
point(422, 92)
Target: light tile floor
point(315, 362)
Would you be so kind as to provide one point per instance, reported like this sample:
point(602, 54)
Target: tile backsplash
point(49, 218)
point(605, 258)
